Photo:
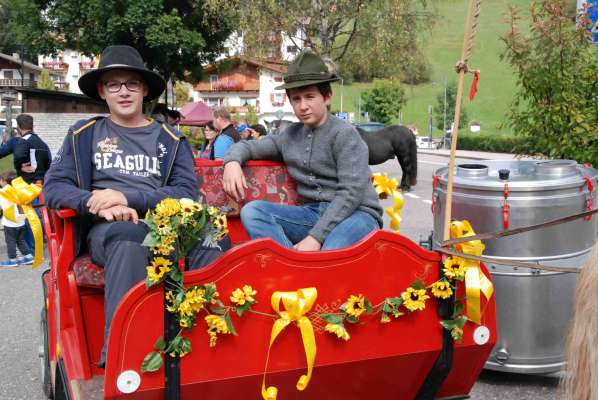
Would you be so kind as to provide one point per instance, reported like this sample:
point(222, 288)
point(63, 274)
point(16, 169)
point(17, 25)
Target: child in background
point(14, 232)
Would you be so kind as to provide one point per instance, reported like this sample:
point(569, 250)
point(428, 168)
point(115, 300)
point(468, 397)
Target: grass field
point(443, 48)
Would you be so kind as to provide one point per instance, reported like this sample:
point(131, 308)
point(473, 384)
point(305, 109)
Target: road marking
point(413, 196)
point(431, 162)
point(427, 201)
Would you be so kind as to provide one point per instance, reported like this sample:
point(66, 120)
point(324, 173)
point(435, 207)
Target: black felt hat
point(125, 58)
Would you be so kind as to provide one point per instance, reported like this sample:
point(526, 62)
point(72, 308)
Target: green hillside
point(443, 48)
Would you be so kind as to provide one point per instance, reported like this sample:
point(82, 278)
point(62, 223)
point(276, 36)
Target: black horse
point(391, 141)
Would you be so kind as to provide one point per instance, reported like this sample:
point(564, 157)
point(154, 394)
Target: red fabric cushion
point(87, 273)
point(266, 181)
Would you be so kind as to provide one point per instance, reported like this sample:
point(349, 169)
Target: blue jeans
point(288, 225)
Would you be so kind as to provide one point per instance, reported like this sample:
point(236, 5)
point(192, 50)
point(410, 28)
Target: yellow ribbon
point(296, 305)
point(386, 187)
point(475, 280)
point(22, 194)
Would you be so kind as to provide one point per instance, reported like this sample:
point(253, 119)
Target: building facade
point(240, 82)
point(66, 68)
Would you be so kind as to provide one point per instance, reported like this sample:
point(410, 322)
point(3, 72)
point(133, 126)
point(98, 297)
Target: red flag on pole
point(474, 85)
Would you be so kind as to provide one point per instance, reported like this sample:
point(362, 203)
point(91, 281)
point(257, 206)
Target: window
point(213, 78)
point(248, 101)
point(214, 101)
point(278, 79)
point(8, 75)
point(292, 49)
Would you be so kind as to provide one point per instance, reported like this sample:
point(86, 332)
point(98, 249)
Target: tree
point(45, 81)
point(174, 37)
point(557, 80)
point(376, 31)
point(451, 100)
point(181, 94)
point(384, 101)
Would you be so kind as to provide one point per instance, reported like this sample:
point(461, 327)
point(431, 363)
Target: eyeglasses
point(132, 85)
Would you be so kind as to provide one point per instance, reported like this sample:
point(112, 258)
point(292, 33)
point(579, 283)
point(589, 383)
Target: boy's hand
point(233, 181)
point(119, 213)
point(309, 243)
point(27, 168)
point(105, 198)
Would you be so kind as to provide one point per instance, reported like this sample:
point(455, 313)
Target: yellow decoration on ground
point(475, 280)
point(22, 194)
point(296, 306)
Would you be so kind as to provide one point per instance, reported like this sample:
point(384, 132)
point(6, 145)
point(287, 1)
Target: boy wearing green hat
point(327, 159)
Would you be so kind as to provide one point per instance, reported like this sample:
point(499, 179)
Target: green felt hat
point(307, 69)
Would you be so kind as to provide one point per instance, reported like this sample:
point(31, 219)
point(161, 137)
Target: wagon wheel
point(44, 356)
point(44, 348)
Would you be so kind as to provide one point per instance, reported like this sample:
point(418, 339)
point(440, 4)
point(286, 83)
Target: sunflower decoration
point(156, 270)
point(454, 268)
point(216, 324)
point(414, 298)
point(243, 299)
point(355, 306)
point(442, 289)
point(339, 330)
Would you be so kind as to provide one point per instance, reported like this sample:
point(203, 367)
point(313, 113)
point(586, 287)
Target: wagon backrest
point(267, 181)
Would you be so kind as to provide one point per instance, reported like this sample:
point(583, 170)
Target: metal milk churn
point(533, 307)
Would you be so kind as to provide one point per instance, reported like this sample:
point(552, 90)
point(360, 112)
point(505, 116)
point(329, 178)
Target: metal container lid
point(522, 175)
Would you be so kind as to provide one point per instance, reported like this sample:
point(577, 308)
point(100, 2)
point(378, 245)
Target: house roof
point(276, 66)
point(17, 61)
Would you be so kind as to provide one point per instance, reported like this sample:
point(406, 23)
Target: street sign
point(343, 115)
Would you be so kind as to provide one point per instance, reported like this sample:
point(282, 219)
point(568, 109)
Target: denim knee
point(252, 211)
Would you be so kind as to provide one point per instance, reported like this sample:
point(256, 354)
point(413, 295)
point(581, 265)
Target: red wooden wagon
point(412, 357)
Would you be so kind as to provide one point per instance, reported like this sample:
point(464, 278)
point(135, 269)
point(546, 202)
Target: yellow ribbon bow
point(386, 187)
point(21, 193)
point(296, 305)
point(475, 280)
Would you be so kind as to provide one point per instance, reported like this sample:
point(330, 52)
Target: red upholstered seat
point(267, 181)
point(87, 273)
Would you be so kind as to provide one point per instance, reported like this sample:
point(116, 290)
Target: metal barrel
point(533, 307)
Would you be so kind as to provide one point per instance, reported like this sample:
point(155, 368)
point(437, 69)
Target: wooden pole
point(455, 130)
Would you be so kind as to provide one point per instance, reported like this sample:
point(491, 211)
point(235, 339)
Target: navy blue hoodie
point(68, 181)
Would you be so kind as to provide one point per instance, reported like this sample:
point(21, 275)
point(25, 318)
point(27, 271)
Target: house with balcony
point(239, 82)
point(15, 73)
point(66, 68)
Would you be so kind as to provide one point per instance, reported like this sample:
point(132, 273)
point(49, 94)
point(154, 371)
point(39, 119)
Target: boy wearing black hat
point(113, 170)
point(327, 159)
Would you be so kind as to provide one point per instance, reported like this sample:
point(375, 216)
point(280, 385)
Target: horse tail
point(580, 380)
point(412, 151)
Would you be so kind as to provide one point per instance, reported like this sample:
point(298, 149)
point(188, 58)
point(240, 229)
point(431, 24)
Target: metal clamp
point(589, 198)
point(506, 208)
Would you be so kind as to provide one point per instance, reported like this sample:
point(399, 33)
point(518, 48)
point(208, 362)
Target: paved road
point(20, 302)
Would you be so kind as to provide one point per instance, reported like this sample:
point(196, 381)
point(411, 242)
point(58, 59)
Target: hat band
point(308, 76)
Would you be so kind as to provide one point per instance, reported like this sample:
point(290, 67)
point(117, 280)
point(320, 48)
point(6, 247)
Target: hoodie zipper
point(76, 162)
point(176, 150)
